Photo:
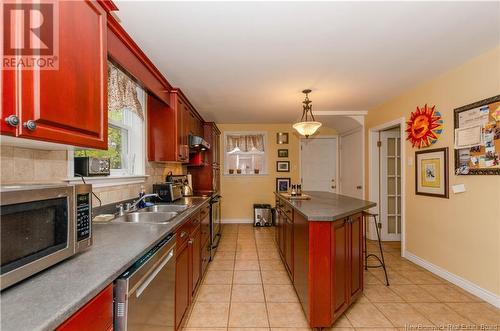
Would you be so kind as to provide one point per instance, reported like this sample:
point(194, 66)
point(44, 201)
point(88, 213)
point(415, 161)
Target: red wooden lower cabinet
point(96, 315)
point(191, 262)
point(325, 262)
point(182, 295)
point(195, 258)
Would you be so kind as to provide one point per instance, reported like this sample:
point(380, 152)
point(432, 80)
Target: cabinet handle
point(12, 120)
point(30, 125)
point(183, 234)
point(190, 241)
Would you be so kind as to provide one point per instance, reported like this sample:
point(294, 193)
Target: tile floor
point(246, 288)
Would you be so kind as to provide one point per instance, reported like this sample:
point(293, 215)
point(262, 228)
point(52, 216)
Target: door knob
point(30, 125)
point(12, 120)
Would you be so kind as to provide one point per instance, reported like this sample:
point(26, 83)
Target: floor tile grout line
point(263, 289)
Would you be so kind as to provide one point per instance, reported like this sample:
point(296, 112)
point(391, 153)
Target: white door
point(390, 185)
point(351, 164)
point(319, 164)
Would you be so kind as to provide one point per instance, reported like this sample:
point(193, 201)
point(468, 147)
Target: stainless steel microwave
point(41, 225)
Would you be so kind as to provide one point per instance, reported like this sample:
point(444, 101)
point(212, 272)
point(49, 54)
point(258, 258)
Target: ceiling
point(247, 62)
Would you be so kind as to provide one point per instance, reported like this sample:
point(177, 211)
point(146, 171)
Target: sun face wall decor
point(424, 127)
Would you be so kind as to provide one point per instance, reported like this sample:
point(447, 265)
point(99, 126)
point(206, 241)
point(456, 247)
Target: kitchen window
point(126, 136)
point(245, 153)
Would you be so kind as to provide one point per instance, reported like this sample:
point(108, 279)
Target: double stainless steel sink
point(157, 214)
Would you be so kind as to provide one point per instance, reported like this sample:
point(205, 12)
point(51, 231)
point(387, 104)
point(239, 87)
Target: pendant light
point(307, 125)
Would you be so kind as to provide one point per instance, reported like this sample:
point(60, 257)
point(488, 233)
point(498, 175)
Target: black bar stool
point(366, 217)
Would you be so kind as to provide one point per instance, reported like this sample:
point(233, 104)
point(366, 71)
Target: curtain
point(122, 92)
point(245, 143)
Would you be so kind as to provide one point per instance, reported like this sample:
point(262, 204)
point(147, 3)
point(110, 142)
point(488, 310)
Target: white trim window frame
point(264, 154)
point(133, 151)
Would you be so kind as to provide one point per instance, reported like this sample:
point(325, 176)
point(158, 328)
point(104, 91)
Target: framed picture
point(282, 184)
point(282, 138)
point(283, 166)
point(282, 152)
point(431, 172)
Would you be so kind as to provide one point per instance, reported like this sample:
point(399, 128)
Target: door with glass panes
point(390, 185)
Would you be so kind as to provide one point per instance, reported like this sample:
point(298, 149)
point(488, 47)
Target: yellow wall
point(241, 192)
point(460, 234)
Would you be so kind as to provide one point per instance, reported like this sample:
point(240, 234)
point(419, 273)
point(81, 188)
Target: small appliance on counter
point(187, 189)
point(87, 166)
point(168, 192)
point(41, 225)
point(262, 215)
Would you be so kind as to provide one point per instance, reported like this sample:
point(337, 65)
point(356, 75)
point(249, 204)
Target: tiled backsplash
point(24, 165)
point(156, 173)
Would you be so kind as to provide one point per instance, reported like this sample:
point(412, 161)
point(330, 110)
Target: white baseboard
point(465, 284)
point(236, 221)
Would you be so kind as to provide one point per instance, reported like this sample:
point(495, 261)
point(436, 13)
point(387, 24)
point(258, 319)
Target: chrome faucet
point(135, 203)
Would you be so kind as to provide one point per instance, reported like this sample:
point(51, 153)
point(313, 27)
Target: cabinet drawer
point(182, 234)
point(194, 222)
point(204, 211)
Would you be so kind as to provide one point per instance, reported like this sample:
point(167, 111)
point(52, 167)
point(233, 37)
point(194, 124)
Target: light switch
point(459, 188)
point(410, 161)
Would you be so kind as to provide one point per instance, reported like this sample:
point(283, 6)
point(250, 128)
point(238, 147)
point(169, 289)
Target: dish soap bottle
point(142, 203)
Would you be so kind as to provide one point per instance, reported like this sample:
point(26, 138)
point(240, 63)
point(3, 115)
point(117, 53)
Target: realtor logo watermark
point(30, 35)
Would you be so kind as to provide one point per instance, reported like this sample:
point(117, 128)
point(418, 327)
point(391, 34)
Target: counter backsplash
point(24, 165)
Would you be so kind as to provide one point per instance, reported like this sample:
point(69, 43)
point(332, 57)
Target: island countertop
point(325, 206)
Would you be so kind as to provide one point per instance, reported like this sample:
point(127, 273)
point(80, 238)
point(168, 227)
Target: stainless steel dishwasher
point(144, 295)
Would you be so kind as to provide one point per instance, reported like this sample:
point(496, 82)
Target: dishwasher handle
point(152, 275)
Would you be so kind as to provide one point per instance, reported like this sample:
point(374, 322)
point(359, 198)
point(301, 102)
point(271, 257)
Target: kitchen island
point(321, 244)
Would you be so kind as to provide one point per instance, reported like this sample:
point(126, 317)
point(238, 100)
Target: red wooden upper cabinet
point(166, 140)
point(161, 136)
point(10, 117)
point(68, 105)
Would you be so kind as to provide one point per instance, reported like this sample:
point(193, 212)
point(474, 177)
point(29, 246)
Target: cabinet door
point(182, 293)
point(161, 141)
point(97, 314)
point(182, 147)
point(205, 257)
point(195, 252)
point(289, 246)
point(9, 102)
point(186, 125)
point(301, 259)
point(340, 266)
point(356, 254)
point(205, 224)
point(69, 105)
point(281, 230)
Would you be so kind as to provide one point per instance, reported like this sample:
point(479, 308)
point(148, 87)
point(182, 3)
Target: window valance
point(122, 92)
